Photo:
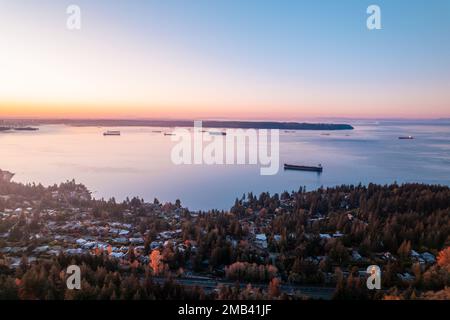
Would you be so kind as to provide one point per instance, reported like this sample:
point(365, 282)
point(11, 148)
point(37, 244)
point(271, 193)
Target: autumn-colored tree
point(405, 249)
point(392, 297)
point(274, 288)
point(439, 295)
point(156, 262)
point(443, 259)
point(250, 272)
point(134, 264)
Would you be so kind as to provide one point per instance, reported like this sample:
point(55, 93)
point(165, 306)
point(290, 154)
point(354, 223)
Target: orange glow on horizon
point(113, 69)
point(125, 111)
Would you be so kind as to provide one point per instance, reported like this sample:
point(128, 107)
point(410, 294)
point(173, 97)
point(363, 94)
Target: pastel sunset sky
point(242, 59)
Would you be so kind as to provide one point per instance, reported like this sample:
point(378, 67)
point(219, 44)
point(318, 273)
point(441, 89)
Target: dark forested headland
point(190, 123)
point(293, 245)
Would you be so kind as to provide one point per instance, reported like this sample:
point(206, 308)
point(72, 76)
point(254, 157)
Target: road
point(209, 285)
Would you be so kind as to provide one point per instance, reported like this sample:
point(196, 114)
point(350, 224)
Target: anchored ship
point(111, 133)
point(319, 168)
point(26, 129)
point(217, 133)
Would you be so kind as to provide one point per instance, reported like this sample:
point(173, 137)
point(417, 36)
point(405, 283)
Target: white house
point(261, 240)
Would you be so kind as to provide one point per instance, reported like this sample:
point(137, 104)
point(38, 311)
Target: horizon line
point(227, 119)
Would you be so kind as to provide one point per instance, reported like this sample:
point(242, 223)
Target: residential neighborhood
point(294, 238)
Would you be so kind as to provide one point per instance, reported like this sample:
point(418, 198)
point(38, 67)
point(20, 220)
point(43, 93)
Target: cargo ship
point(111, 133)
point(319, 168)
point(217, 133)
point(406, 138)
point(26, 129)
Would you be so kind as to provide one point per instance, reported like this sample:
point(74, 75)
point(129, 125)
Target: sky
point(225, 59)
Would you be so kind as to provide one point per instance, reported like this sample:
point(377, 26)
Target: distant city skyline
point(255, 60)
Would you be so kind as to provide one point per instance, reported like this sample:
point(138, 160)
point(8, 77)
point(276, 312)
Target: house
point(168, 243)
point(415, 254)
point(89, 245)
point(388, 256)
point(356, 256)
point(16, 250)
point(155, 245)
point(5, 250)
point(144, 259)
point(261, 240)
point(123, 232)
point(102, 246)
point(139, 249)
point(120, 240)
point(136, 241)
point(117, 255)
point(338, 234)
point(166, 235)
point(54, 252)
point(428, 257)
point(41, 249)
point(407, 277)
point(15, 263)
point(80, 242)
point(74, 251)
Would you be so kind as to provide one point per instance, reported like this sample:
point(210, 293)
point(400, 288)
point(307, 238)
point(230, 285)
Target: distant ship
point(406, 138)
point(217, 133)
point(111, 133)
point(26, 129)
point(169, 134)
point(319, 168)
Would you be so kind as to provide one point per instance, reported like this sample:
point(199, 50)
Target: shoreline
point(338, 230)
point(10, 176)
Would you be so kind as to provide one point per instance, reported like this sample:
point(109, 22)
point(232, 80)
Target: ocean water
point(138, 162)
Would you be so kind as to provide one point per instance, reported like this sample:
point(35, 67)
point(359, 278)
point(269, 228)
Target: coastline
point(305, 244)
point(190, 123)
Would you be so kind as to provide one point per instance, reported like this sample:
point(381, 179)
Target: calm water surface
point(138, 162)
